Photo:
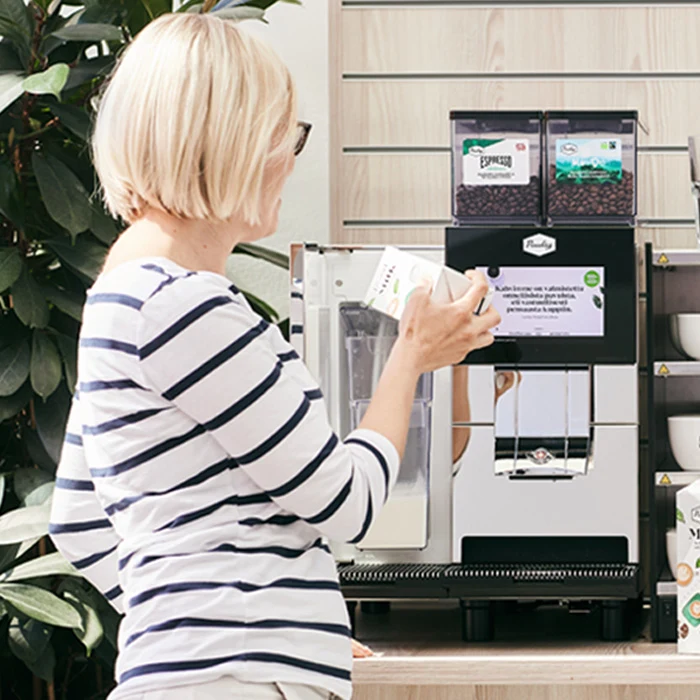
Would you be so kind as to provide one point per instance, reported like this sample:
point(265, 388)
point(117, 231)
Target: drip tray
point(490, 581)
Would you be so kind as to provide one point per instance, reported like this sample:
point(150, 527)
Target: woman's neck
point(195, 245)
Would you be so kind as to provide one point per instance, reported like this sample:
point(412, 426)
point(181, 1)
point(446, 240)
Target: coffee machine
point(520, 476)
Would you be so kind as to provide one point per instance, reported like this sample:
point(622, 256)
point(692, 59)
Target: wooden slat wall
point(494, 38)
point(400, 67)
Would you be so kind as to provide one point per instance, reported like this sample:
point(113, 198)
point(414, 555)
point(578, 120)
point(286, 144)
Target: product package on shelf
point(496, 167)
point(688, 568)
point(591, 167)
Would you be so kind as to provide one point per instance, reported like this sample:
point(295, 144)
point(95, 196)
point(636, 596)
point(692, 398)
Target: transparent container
point(591, 167)
point(496, 167)
point(368, 339)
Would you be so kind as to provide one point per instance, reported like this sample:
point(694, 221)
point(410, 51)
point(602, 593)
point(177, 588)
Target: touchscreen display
point(548, 301)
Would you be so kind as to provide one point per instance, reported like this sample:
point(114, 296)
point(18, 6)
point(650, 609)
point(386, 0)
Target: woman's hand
point(434, 335)
point(360, 651)
point(431, 336)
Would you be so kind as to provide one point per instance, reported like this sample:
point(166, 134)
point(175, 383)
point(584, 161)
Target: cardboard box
point(399, 273)
point(688, 570)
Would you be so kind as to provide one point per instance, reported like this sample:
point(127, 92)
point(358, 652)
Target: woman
point(200, 477)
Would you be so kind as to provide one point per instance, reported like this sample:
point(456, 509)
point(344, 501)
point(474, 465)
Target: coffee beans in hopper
point(591, 199)
point(499, 200)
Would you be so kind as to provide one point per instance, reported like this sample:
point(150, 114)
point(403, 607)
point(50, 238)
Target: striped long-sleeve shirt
point(199, 482)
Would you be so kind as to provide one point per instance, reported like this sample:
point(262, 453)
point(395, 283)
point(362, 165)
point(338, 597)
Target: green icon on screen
point(591, 278)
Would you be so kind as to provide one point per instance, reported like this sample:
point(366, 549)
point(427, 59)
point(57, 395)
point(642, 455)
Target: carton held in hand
point(398, 275)
point(688, 570)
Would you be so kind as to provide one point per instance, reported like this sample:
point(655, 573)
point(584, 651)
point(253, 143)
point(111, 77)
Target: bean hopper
point(520, 476)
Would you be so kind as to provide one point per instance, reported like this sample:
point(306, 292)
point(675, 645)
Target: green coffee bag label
point(588, 161)
point(496, 162)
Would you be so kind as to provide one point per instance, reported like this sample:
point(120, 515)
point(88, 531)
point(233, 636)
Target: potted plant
point(54, 234)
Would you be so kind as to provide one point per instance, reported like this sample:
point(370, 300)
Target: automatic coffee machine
point(520, 476)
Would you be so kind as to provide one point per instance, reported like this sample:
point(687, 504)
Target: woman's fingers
point(360, 651)
point(471, 300)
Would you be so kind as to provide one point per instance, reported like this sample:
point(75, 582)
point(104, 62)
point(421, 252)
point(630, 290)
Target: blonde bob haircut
point(193, 113)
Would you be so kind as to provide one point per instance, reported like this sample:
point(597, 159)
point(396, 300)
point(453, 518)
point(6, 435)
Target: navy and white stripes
point(199, 482)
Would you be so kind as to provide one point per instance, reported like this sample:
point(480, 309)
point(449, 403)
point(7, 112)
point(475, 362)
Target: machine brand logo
point(540, 456)
point(695, 514)
point(539, 245)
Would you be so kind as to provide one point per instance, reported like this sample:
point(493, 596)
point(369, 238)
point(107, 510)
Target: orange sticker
point(684, 575)
point(695, 609)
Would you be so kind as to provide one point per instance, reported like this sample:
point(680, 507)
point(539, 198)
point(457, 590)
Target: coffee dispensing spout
point(543, 423)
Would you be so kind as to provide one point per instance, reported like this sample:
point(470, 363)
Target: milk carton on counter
point(688, 570)
point(398, 275)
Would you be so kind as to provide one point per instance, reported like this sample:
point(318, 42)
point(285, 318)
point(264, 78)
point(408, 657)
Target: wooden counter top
point(420, 644)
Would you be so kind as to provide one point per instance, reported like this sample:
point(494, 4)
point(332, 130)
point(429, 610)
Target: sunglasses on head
point(303, 130)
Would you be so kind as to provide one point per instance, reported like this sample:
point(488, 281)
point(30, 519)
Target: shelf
point(676, 258)
point(666, 588)
point(676, 478)
point(677, 368)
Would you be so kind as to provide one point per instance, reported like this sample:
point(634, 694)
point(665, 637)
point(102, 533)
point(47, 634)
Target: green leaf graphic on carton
point(396, 287)
point(679, 515)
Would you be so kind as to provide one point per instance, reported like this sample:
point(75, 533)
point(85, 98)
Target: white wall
point(300, 36)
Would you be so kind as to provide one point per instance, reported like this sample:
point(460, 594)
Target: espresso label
point(496, 162)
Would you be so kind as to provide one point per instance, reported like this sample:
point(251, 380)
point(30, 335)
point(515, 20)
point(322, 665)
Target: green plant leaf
point(10, 406)
point(29, 302)
point(14, 367)
point(10, 267)
point(65, 198)
point(70, 302)
point(40, 605)
point(89, 33)
point(264, 4)
point(12, 552)
point(24, 524)
point(256, 251)
point(33, 487)
point(46, 368)
point(48, 565)
point(29, 638)
point(89, 69)
point(86, 256)
point(104, 227)
point(16, 11)
point(51, 418)
point(29, 641)
point(8, 57)
point(69, 352)
point(240, 14)
point(74, 119)
point(91, 631)
point(36, 450)
point(48, 82)
point(10, 199)
point(187, 6)
point(10, 87)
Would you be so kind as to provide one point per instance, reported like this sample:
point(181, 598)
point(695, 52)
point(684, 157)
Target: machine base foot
point(375, 607)
point(614, 622)
point(477, 620)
